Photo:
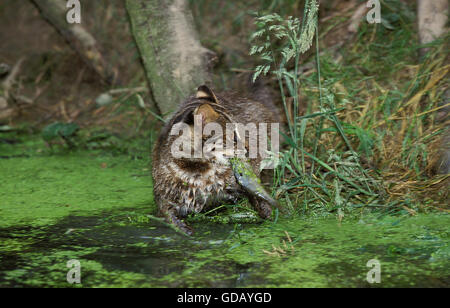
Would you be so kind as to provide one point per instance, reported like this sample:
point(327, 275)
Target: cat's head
point(199, 130)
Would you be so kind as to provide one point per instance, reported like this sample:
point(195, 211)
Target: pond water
point(93, 207)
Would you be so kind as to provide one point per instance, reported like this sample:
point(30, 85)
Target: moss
point(328, 253)
point(93, 206)
point(40, 190)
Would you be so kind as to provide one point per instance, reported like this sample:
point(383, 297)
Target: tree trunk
point(55, 11)
point(175, 63)
point(433, 16)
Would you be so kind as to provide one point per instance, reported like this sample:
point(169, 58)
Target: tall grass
point(356, 134)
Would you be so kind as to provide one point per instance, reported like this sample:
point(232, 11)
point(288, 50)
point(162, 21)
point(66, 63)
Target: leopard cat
point(189, 185)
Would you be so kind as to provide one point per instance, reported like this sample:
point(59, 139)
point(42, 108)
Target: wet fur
point(185, 186)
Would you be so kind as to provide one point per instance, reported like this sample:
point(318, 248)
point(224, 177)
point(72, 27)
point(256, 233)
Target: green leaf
point(58, 129)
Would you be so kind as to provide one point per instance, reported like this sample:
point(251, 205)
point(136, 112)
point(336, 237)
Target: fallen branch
point(10, 80)
point(54, 11)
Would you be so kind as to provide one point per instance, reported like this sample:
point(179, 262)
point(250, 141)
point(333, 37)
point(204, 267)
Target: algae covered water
point(93, 207)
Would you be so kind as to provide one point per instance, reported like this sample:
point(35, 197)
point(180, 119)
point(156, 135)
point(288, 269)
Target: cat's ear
point(207, 113)
point(203, 92)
